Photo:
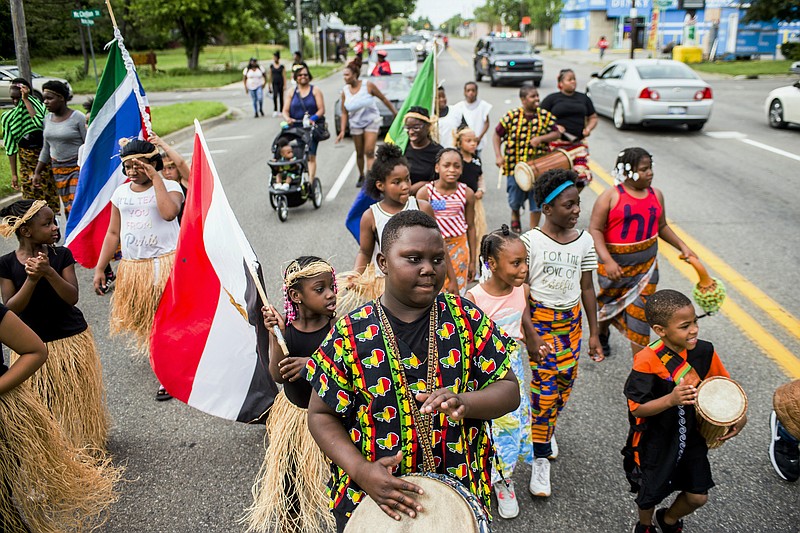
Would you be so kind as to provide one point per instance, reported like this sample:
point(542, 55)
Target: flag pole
point(261, 292)
point(111, 13)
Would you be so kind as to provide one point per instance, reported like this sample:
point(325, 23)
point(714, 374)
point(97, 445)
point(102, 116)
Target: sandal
point(162, 395)
point(516, 227)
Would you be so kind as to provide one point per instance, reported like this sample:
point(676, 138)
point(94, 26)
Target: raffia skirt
point(70, 384)
point(140, 283)
point(289, 492)
point(361, 288)
point(47, 485)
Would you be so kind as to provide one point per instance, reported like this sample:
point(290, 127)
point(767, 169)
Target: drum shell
point(444, 509)
point(711, 429)
point(558, 159)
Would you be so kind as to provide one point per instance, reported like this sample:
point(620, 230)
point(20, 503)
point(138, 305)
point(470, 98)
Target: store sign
point(622, 8)
point(574, 24)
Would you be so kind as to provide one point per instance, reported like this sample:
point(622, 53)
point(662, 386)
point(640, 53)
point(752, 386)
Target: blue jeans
point(542, 450)
point(785, 435)
point(517, 197)
point(257, 95)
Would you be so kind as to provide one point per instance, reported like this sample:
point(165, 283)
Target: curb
point(173, 138)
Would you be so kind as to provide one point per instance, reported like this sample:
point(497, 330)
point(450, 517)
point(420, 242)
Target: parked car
point(783, 106)
point(503, 59)
point(651, 92)
point(417, 42)
point(9, 72)
point(395, 88)
point(401, 57)
point(795, 67)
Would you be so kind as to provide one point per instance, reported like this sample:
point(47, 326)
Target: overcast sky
point(439, 11)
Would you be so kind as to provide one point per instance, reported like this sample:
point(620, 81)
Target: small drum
point(721, 403)
point(447, 506)
point(526, 173)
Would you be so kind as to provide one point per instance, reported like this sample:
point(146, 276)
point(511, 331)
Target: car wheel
point(492, 80)
point(283, 207)
point(776, 115)
point(478, 75)
point(696, 126)
point(619, 116)
point(316, 191)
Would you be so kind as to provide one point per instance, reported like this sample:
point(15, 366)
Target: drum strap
point(423, 423)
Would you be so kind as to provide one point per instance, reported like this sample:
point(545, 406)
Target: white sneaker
point(274, 114)
point(540, 477)
point(507, 506)
point(553, 448)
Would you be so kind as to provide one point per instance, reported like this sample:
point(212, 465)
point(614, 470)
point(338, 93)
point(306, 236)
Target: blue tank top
point(297, 109)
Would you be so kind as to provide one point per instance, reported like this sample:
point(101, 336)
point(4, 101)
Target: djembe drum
point(525, 174)
point(721, 403)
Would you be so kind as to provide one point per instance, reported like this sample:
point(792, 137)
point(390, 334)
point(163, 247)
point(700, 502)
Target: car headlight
point(420, 47)
point(501, 63)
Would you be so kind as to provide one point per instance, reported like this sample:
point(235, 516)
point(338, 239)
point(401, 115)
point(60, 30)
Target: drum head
point(721, 400)
point(443, 510)
point(523, 175)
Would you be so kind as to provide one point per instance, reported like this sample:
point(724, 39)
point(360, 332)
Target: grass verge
point(166, 119)
point(745, 68)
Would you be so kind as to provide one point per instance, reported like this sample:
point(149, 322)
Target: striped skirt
point(65, 174)
point(581, 163)
point(458, 250)
point(622, 301)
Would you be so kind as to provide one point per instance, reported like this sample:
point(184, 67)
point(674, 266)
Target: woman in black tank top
point(277, 77)
point(288, 490)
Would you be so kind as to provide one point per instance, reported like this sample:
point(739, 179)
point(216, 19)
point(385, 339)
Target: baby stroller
point(301, 188)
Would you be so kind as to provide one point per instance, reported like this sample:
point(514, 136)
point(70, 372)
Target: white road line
point(343, 175)
point(231, 138)
point(772, 149)
point(725, 135)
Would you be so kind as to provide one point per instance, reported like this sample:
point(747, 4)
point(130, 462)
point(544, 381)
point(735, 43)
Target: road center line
point(771, 346)
point(458, 57)
point(772, 149)
point(231, 138)
point(343, 175)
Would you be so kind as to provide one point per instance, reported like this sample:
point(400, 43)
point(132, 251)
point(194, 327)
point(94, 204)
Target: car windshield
point(393, 87)
point(510, 47)
point(668, 71)
point(14, 72)
point(396, 54)
point(410, 39)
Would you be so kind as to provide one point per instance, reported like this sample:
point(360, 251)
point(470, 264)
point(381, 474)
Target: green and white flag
point(422, 94)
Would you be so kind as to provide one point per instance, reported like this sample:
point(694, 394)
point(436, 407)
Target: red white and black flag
point(209, 346)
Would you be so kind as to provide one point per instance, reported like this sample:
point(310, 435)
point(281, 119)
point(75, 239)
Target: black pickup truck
point(504, 59)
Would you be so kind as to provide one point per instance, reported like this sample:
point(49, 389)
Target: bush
point(791, 51)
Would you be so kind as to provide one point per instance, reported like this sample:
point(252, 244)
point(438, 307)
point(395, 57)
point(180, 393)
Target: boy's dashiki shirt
point(355, 373)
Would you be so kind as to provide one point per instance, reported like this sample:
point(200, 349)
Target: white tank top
point(381, 218)
point(361, 107)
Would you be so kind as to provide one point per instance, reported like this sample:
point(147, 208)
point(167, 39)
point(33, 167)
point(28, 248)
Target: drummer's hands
point(586, 132)
point(536, 141)
point(613, 270)
point(292, 368)
point(735, 429)
point(499, 161)
point(377, 480)
point(272, 318)
point(596, 348)
point(443, 401)
point(683, 394)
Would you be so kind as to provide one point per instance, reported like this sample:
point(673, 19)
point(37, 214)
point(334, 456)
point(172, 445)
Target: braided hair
point(550, 181)
point(296, 273)
point(491, 245)
point(132, 147)
point(387, 157)
point(627, 162)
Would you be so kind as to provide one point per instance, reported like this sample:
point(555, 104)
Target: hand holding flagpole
point(263, 294)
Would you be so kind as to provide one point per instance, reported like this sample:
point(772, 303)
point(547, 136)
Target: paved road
point(189, 472)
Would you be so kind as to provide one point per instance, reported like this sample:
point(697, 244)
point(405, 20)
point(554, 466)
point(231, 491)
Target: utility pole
point(634, 26)
point(298, 16)
point(21, 39)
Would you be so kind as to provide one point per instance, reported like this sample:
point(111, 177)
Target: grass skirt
point(47, 485)
point(361, 288)
point(481, 228)
point(289, 492)
point(140, 283)
point(70, 384)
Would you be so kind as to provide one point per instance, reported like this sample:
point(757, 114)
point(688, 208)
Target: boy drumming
point(665, 450)
point(372, 415)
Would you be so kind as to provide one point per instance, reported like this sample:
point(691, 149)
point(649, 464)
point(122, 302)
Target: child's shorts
point(374, 127)
point(517, 197)
point(692, 474)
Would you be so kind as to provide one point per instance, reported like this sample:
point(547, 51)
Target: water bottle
point(306, 121)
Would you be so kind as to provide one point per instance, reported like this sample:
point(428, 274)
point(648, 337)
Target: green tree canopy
point(783, 10)
point(366, 14)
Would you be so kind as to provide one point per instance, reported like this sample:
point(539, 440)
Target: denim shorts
point(517, 197)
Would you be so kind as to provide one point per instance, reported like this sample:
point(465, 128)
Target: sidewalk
point(592, 56)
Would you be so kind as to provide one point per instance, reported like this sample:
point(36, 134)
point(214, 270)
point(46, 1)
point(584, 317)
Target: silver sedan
point(651, 92)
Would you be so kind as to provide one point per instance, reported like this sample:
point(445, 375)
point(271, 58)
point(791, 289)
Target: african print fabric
point(622, 301)
point(458, 250)
point(65, 174)
point(356, 373)
point(580, 163)
point(512, 432)
point(553, 377)
point(519, 130)
point(26, 161)
point(17, 123)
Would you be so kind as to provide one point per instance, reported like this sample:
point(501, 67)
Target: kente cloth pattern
point(553, 377)
point(458, 250)
point(622, 301)
point(357, 374)
point(65, 175)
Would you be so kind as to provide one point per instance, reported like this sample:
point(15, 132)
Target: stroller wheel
point(272, 201)
point(316, 193)
point(282, 207)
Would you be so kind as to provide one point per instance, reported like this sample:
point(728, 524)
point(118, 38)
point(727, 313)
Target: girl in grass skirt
point(144, 215)
point(467, 143)
point(46, 484)
point(38, 282)
point(289, 492)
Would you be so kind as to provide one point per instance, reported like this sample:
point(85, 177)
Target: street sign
point(87, 22)
point(663, 4)
point(85, 13)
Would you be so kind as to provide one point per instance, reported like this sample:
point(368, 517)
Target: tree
point(422, 23)
point(544, 15)
point(783, 10)
point(366, 14)
point(397, 26)
point(452, 23)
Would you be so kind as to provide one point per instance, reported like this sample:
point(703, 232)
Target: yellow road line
point(728, 274)
point(458, 57)
point(771, 346)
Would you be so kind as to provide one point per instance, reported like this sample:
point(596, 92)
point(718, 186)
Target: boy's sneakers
point(783, 454)
point(663, 527)
point(553, 448)
point(507, 506)
point(639, 528)
point(540, 477)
